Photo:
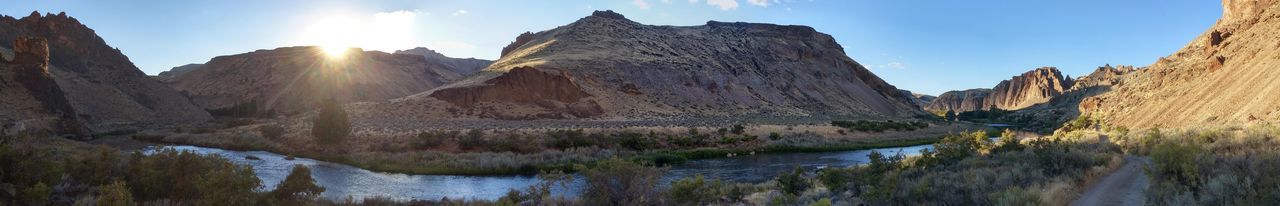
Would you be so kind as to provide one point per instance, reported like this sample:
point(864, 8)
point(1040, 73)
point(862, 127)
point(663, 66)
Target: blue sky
point(924, 46)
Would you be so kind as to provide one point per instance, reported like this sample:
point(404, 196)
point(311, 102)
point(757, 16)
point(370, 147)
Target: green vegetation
point(331, 125)
point(298, 188)
point(1210, 166)
point(875, 126)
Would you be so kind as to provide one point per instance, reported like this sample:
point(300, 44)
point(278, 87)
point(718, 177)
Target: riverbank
point(529, 152)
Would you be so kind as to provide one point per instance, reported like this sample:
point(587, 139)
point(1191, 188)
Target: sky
point(924, 46)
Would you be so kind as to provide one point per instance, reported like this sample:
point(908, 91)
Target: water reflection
point(342, 181)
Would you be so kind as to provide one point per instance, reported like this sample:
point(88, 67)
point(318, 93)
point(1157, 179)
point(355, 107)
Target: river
point(343, 181)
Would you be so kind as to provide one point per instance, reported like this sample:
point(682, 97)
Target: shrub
point(565, 139)
point(227, 184)
point(738, 129)
point(793, 182)
point(775, 136)
point(695, 191)
point(271, 131)
point(37, 194)
point(473, 139)
point(635, 141)
point(427, 140)
point(616, 181)
point(822, 202)
point(115, 194)
point(331, 125)
point(298, 187)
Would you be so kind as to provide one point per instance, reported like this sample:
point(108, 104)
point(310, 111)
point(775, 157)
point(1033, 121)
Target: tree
point(115, 194)
point(297, 187)
point(951, 115)
point(331, 125)
point(227, 184)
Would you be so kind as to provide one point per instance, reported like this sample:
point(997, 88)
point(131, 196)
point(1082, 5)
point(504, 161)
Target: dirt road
point(1125, 186)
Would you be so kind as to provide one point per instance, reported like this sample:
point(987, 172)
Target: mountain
point(1225, 76)
point(960, 101)
point(917, 99)
point(457, 65)
point(100, 86)
point(295, 79)
point(167, 76)
point(1033, 87)
point(1025, 90)
point(607, 66)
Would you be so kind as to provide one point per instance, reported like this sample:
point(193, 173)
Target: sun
point(334, 51)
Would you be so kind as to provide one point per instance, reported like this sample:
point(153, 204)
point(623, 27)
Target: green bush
point(775, 136)
point(793, 182)
point(297, 188)
point(565, 139)
point(115, 194)
point(432, 139)
point(695, 191)
point(635, 141)
point(875, 126)
point(620, 182)
point(473, 139)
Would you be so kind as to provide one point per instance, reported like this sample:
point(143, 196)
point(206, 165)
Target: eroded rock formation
point(105, 90)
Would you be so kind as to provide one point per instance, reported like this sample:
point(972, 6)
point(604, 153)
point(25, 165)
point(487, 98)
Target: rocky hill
point(1225, 76)
point(169, 76)
point(102, 88)
point(919, 100)
point(1028, 89)
point(294, 79)
point(607, 66)
point(959, 101)
point(457, 65)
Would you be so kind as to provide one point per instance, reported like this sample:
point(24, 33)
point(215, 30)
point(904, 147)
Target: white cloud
point(894, 65)
point(761, 3)
point(641, 4)
point(460, 12)
point(724, 4)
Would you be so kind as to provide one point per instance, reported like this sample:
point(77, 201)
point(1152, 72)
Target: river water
point(343, 181)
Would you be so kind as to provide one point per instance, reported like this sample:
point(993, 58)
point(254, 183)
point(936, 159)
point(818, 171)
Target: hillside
point(102, 88)
point(1225, 76)
point(294, 79)
point(607, 66)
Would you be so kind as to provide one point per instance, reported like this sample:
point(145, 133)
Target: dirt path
point(1125, 186)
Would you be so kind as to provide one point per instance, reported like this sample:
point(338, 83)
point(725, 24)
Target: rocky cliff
point(1033, 87)
point(1030, 88)
point(33, 101)
point(103, 89)
point(960, 101)
point(919, 100)
point(605, 65)
point(1225, 76)
point(294, 79)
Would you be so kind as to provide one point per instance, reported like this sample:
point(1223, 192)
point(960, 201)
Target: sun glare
point(335, 33)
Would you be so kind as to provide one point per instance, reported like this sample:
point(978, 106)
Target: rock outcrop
point(960, 101)
point(606, 66)
point(104, 91)
point(1225, 76)
point(33, 101)
point(1033, 87)
point(291, 80)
